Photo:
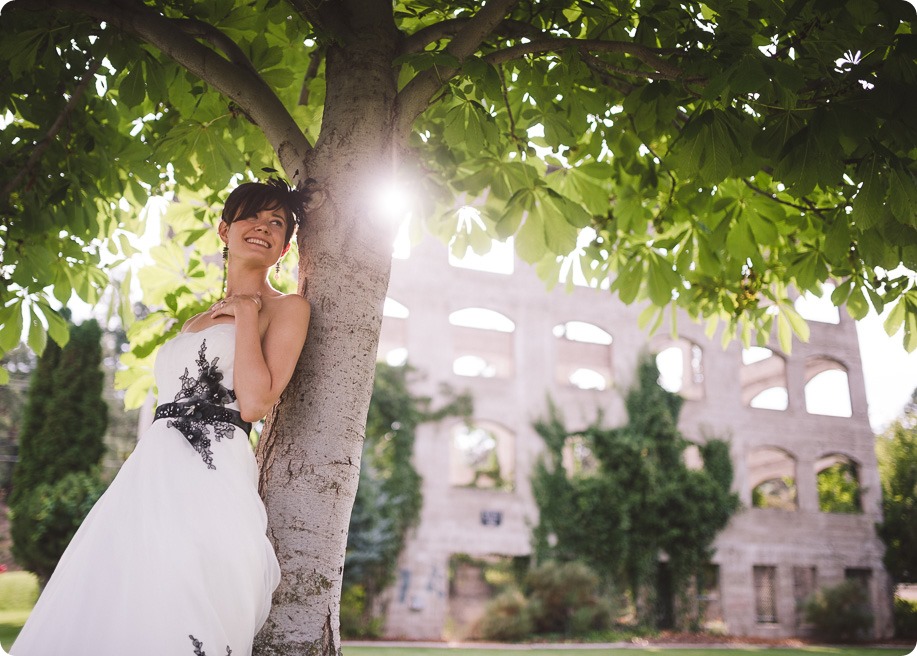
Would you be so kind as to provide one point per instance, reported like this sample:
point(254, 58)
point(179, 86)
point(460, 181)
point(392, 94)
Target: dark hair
point(252, 197)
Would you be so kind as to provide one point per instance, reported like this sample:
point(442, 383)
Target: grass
point(765, 651)
point(18, 592)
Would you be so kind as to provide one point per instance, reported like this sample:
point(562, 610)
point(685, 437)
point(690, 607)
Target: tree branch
point(238, 82)
point(56, 127)
point(808, 207)
point(415, 96)
point(662, 69)
point(417, 41)
point(201, 30)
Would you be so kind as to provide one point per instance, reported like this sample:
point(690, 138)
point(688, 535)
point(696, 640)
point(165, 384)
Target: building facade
point(512, 344)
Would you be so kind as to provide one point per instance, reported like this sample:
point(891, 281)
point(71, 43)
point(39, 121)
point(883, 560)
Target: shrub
point(46, 518)
point(905, 618)
point(356, 622)
point(564, 598)
point(595, 617)
point(507, 618)
point(841, 612)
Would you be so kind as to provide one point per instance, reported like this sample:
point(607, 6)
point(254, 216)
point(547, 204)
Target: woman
point(173, 559)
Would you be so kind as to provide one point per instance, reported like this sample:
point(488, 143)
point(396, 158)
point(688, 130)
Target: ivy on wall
point(640, 504)
point(389, 496)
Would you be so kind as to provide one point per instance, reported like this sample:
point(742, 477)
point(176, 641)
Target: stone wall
point(787, 552)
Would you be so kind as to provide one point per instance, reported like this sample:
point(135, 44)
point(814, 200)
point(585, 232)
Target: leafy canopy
point(720, 153)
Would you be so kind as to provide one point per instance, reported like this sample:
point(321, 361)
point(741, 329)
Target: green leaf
point(628, 281)
point(762, 228)
point(279, 79)
point(784, 333)
point(661, 280)
point(10, 326)
point(740, 241)
point(530, 240)
point(57, 325)
point(857, 305)
point(902, 195)
point(841, 293)
point(797, 323)
point(38, 338)
point(868, 205)
point(895, 318)
point(837, 240)
point(132, 89)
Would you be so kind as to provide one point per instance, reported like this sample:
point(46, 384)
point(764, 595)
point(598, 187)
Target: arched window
point(583, 355)
point(827, 389)
point(588, 379)
point(483, 343)
point(474, 366)
point(772, 478)
point(838, 481)
point(393, 338)
point(681, 367)
point(692, 457)
point(763, 379)
point(773, 398)
point(482, 319)
point(483, 456)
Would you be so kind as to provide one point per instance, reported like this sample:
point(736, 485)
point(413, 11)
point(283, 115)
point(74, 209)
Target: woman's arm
point(264, 365)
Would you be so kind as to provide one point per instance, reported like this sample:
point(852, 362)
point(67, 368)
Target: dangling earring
point(277, 270)
point(225, 261)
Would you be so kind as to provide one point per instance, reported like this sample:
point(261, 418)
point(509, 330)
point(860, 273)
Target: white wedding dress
point(173, 560)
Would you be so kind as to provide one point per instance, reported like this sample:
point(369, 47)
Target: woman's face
point(261, 235)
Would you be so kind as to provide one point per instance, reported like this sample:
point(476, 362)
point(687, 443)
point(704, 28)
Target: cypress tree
point(65, 418)
point(27, 472)
point(56, 480)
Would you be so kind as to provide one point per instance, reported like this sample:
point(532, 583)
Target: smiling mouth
point(259, 242)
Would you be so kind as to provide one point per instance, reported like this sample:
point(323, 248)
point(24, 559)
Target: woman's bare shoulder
point(290, 309)
point(193, 320)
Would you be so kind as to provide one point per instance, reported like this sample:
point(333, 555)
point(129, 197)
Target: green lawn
point(815, 651)
point(18, 592)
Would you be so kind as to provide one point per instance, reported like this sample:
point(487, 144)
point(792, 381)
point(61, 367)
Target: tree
point(47, 517)
point(640, 502)
point(896, 451)
point(56, 479)
point(389, 499)
point(722, 153)
point(65, 418)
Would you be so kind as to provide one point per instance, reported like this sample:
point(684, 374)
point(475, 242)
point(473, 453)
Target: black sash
point(202, 411)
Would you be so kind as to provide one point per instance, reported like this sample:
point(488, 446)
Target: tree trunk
point(310, 453)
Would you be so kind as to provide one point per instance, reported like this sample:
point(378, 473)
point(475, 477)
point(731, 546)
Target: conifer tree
point(66, 417)
point(56, 481)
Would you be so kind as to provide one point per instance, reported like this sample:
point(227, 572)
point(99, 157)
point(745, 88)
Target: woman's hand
point(227, 306)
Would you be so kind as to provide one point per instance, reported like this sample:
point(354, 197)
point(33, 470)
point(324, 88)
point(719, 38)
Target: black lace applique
point(207, 388)
point(198, 651)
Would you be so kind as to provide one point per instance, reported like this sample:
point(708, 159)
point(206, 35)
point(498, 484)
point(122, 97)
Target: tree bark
point(310, 453)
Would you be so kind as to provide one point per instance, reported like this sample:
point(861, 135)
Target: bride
point(173, 559)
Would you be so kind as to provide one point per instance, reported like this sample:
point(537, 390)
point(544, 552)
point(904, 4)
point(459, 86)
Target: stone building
point(581, 349)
